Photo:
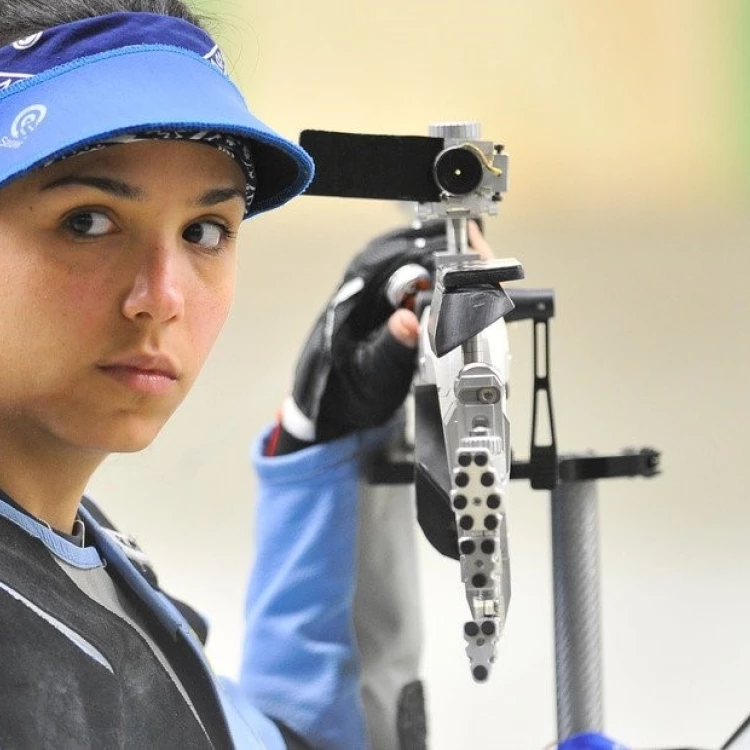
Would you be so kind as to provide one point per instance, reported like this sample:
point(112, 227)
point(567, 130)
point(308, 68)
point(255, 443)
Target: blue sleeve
point(300, 663)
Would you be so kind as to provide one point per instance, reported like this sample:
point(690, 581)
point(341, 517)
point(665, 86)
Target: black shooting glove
point(352, 372)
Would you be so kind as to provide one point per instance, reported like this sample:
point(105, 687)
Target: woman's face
point(117, 270)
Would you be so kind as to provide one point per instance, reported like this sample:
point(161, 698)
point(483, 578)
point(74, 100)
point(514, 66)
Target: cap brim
point(137, 89)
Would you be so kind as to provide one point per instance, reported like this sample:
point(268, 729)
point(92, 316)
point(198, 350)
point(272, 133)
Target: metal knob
point(468, 129)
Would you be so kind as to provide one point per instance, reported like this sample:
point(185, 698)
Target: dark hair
point(22, 18)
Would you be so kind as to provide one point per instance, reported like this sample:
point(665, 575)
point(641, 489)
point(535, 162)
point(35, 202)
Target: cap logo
point(23, 125)
point(27, 121)
point(27, 42)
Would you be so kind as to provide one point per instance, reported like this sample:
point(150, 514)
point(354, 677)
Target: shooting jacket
point(75, 674)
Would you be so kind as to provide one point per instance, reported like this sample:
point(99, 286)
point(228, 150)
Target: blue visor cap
point(85, 82)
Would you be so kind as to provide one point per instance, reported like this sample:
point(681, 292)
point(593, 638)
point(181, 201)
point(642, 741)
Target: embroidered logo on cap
point(24, 124)
point(28, 120)
point(27, 42)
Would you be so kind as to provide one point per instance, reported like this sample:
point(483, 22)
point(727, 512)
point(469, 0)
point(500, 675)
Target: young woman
point(128, 160)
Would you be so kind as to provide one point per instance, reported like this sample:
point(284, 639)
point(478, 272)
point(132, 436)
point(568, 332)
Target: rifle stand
point(571, 481)
point(575, 572)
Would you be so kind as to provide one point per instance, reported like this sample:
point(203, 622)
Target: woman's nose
point(156, 292)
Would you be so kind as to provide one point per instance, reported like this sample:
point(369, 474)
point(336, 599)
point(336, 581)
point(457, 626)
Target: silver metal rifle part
point(470, 373)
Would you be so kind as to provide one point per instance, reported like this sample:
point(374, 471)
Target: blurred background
point(628, 127)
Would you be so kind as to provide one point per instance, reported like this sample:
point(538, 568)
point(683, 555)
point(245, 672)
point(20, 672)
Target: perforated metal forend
point(478, 432)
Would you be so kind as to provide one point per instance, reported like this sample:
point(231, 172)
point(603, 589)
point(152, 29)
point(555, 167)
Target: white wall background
point(624, 197)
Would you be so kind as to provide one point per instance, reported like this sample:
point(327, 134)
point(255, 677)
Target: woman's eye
point(208, 234)
point(89, 223)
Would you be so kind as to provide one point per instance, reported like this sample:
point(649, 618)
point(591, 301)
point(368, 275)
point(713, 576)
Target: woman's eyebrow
point(121, 189)
point(219, 195)
point(114, 187)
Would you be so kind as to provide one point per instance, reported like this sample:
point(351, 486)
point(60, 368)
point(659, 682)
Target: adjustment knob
point(468, 129)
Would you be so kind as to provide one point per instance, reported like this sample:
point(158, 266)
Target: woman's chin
point(124, 440)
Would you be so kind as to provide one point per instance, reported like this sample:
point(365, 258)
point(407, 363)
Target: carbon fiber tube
point(575, 571)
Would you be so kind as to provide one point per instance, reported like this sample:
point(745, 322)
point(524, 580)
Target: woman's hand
point(356, 368)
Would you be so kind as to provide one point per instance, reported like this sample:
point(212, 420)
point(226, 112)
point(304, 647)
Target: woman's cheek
point(85, 304)
point(209, 317)
point(214, 316)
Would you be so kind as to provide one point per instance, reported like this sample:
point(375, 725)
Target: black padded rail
point(387, 167)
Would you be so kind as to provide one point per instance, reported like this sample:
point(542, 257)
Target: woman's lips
point(148, 374)
point(152, 382)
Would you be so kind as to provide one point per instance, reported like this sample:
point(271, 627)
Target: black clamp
point(630, 463)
